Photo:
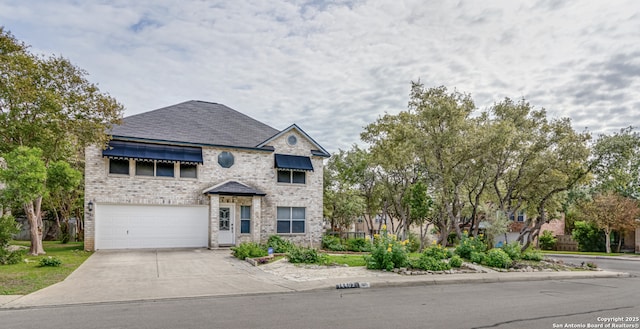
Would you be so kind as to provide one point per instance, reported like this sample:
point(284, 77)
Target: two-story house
point(200, 174)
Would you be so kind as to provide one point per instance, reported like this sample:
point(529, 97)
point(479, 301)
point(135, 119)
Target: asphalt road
point(539, 304)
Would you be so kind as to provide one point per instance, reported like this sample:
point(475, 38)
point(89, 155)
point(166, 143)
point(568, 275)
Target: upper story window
point(292, 177)
point(154, 160)
point(520, 216)
point(119, 166)
point(292, 140)
point(188, 170)
point(292, 169)
point(154, 168)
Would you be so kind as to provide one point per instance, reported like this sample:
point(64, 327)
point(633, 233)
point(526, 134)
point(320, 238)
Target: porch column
point(256, 211)
point(214, 222)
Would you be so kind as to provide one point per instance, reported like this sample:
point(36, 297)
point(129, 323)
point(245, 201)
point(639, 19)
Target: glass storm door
point(225, 229)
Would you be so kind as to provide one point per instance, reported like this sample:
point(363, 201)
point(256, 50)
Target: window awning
point(293, 162)
point(143, 151)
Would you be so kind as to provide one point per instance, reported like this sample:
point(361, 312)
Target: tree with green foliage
point(443, 137)
point(588, 236)
point(25, 176)
point(420, 207)
point(393, 157)
point(48, 103)
point(617, 163)
point(535, 160)
point(611, 212)
point(342, 204)
point(63, 185)
point(350, 189)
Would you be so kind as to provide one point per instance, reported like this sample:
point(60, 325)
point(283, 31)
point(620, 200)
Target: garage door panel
point(131, 227)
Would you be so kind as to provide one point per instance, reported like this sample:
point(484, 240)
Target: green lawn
point(351, 260)
point(27, 277)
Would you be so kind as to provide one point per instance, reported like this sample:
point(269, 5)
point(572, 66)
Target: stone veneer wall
point(254, 168)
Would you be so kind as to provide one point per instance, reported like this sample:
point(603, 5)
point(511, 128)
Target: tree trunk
point(34, 217)
point(620, 240)
point(444, 234)
point(607, 241)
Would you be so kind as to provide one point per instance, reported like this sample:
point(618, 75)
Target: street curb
point(402, 281)
point(502, 277)
point(496, 280)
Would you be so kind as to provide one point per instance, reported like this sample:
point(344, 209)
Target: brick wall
point(254, 168)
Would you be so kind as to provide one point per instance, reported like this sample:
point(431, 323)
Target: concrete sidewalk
point(162, 274)
point(633, 257)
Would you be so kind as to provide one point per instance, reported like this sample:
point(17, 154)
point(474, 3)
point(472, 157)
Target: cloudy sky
point(333, 67)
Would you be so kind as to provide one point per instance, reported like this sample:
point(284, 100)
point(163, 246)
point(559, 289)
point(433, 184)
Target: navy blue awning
point(293, 162)
point(143, 151)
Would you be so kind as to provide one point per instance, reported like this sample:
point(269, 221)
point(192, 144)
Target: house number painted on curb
point(349, 285)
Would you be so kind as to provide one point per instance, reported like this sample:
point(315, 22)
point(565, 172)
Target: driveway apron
point(155, 274)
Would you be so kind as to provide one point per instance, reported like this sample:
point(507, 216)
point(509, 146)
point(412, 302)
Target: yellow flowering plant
point(388, 252)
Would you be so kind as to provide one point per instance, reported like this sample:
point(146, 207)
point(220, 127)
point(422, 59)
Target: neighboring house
point(200, 174)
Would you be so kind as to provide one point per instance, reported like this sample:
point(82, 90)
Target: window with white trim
point(291, 220)
point(520, 217)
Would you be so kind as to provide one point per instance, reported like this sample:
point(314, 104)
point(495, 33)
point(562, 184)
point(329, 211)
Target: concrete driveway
point(154, 274)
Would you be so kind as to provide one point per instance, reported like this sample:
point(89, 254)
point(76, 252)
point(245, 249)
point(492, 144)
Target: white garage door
point(131, 226)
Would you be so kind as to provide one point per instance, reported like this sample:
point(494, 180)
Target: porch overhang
point(234, 188)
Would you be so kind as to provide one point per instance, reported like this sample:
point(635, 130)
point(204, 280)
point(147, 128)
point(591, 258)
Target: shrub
point(533, 255)
point(50, 262)
point(477, 257)
point(332, 242)
point(513, 249)
point(279, 245)
point(455, 261)
point(249, 250)
point(588, 236)
point(387, 253)
point(437, 252)
point(497, 257)
point(11, 257)
point(358, 244)
point(428, 263)
point(8, 227)
point(304, 255)
point(468, 245)
point(414, 243)
point(547, 241)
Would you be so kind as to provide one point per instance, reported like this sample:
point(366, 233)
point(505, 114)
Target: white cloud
point(333, 67)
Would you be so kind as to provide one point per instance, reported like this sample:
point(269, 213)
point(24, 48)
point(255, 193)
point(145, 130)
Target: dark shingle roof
point(196, 122)
point(234, 188)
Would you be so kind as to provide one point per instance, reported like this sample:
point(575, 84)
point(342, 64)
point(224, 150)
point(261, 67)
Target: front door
point(226, 232)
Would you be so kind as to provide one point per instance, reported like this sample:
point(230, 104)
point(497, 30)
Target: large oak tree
point(46, 102)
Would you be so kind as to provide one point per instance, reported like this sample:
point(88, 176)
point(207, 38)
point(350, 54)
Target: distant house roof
point(196, 122)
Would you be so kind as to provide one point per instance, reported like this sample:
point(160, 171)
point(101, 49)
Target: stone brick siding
point(251, 167)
